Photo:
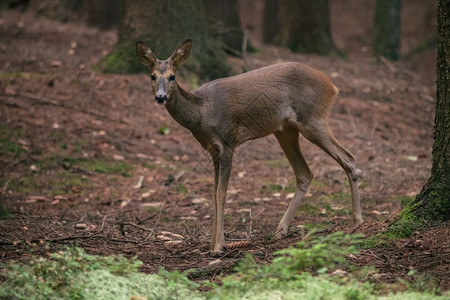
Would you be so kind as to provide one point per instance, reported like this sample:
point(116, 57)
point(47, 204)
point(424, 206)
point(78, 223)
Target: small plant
point(73, 274)
point(299, 272)
point(419, 282)
point(319, 253)
point(4, 213)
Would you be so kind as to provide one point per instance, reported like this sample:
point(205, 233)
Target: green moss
point(122, 60)
point(308, 209)
point(315, 226)
point(319, 184)
point(273, 188)
point(8, 140)
point(8, 75)
point(299, 272)
point(4, 213)
point(405, 225)
point(55, 176)
point(79, 145)
point(181, 189)
point(24, 184)
point(277, 163)
point(7, 146)
point(97, 165)
point(148, 166)
point(404, 200)
point(58, 184)
point(437, 208)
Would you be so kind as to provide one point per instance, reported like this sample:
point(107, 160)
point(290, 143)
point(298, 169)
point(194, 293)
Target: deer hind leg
point(222, 168)
point(288, 139)
point(319, 133)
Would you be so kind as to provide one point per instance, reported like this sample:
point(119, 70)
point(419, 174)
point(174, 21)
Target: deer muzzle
point(162, 99)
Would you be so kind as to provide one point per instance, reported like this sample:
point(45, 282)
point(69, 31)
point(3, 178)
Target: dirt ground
point(88, 159)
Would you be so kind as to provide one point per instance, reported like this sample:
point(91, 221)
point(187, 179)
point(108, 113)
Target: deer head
point(162, 72)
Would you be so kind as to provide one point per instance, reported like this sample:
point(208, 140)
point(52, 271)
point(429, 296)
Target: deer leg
point(216, 179)
point(222, 170)
point(320, 134)
point(288, 139)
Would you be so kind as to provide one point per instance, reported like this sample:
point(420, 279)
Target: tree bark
point(386, 29)
point(432, 204)
point(271, 25)
point(224, 23)
point(103, 14)
point(164, 25)
point(305, 26)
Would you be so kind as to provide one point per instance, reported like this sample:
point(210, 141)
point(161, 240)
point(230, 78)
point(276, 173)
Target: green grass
point(404, 200)
point(277, 163)
point(55, 175)
point(299, 272)
point(148, 166)
point(181, 189)
point(8, 140)
point(4, 213)
point(309, 209)
point(8, 146)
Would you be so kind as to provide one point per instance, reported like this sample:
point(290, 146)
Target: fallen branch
point(135, 225)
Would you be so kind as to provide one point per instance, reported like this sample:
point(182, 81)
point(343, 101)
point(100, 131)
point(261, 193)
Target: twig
point(137, 226)
point(157, 221)
point(68, 238)
point(55, 102)
point(251, 223)
point(388, 63)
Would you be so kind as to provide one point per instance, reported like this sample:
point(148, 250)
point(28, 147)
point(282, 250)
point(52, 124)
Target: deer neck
point(184, 107)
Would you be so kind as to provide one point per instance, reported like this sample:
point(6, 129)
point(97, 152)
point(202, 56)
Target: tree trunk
point(224, 23)
point(164, 25)
point(386, 29)
point(271, 25)
point(432, 204)
point(305, 26)
point(103, 14)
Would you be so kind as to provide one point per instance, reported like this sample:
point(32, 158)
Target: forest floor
point(89, 159)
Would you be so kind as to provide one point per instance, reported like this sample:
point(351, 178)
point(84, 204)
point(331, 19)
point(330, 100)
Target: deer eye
point(172, 77)
point(152, 77)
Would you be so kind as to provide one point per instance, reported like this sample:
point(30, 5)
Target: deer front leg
point(222, 170)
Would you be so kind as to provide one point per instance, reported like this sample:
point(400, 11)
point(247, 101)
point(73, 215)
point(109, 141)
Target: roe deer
point(283, 99)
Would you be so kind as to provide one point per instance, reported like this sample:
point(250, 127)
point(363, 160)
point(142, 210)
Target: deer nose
point(161, 99)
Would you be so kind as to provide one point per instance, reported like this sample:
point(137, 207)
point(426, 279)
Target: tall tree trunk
point(224, 23)
point(103, 14)
point(271, 25)
point(386, 29)
point(432, 204)
point(305, 26)
point(163, 25)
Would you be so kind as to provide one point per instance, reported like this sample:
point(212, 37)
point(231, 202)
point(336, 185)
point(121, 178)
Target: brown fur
point(283, 99)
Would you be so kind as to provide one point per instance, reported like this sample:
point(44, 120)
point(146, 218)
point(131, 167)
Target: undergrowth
point(303, 271)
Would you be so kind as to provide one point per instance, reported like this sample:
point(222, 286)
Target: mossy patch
point(57, 174)
point(405, 225)
point(122, 60)
point(277, 163)
point(4, 213)
point(181, 189)
point(308, 209)
point(273, 187)
point(9, 140)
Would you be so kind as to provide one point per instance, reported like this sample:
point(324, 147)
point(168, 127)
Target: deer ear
point(145, 54)
point(181, 54)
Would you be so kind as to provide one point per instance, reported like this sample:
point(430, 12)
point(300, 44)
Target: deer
point(283, 99)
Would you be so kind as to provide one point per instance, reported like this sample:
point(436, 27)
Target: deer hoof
point(357, 222)
point(281, 233)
